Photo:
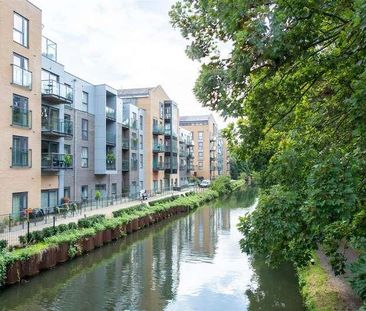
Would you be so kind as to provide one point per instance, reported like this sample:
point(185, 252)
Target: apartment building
point(205, 134)
point(186, 155)
point(20, 122)
point(223, 165)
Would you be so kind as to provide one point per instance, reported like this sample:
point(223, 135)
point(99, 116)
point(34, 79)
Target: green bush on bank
point(316, 290)
point(222, 185)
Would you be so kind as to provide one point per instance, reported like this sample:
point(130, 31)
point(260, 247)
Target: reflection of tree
point(276, 288)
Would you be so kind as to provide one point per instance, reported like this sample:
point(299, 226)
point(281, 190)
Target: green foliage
point(222, 185)
point(294, 75)
point(3, 245)
point(98, 195)
point(89, 222)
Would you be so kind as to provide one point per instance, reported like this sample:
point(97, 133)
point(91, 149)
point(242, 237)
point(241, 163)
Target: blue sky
point(124, 43)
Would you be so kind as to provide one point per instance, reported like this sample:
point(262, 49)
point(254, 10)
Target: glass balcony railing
point(21, 157)
point(58, 127)
point(125, 143)
point(158, 130)
point(56, 161)
point(22, 77)
point(170, 166)
point(110, 113)
point(134, 144)
point(56, 92)
point(158, 165)
point(190, 155)
point(126, 123)
point(171, 148)
point(158, 147)
point(21, 117)
point(125, 165)
point(111, 139)
point(190, 142)
point(183, 153)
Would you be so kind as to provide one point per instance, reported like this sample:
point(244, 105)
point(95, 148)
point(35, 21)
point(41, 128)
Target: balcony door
point(50, 118)
point(49, 147)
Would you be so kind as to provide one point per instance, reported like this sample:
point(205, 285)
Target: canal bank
point(192, 262)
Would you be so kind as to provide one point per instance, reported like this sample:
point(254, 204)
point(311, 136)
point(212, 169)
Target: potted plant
point(68, 160)
point(98, 196)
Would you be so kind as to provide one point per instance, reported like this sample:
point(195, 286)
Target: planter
point(30, 266)
point(107, 236)
point(135, 225)
point(115, 233)
point(129, 227)
point(141, 222)
point(62, 253)
point(13, 274)
point(87, 244)
point(49, 259)
point(98, 239)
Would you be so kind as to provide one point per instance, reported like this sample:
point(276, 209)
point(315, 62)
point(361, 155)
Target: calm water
point(189, 263)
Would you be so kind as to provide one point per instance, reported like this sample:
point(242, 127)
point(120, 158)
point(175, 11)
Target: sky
point(125, 44)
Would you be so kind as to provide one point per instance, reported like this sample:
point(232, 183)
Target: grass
point(316, 289)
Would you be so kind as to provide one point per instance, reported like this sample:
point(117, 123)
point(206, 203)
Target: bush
point(89, 222)
point(222, 185)
point(3, 245)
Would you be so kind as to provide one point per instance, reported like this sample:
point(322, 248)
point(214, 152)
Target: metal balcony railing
point(22, 77)
point(56, 92)
point(57, 127)
point(56, 161)
point(111, 139)
point(125, 143)
point(111, 164)
point(21, 117)
point(125, 165)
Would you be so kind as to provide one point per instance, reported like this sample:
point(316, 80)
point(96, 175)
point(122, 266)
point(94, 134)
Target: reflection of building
point(186, 154)
point(222, 156)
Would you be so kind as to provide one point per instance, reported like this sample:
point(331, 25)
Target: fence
point(12, 227)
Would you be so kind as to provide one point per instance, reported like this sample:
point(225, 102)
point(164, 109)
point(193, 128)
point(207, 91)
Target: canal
point(192, 262)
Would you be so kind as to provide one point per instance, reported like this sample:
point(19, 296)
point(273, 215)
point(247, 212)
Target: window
point(200, 155)
point(200, 136)
point(85, 101)
point(21, 115)
point(161, 111)
point(84, 193)
point(141, 123)
point(141, 185)
point(84, 129)
point(102, 189)
point(141, 142)
point(67, 192)
point(200, 146)
point(20, 203)
point(20, 155)
point(84, 157)
point(67, 149)
point(200, 165)
point(141, 161)
point(114, 190)
point(20, 30)
point(48, 76)
point(49, 199)
point(21, 75)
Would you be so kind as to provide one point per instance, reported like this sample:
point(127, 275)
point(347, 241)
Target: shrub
point(3, 245)
point(88, 222)
point(222, 185)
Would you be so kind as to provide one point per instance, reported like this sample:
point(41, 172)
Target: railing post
point(28, 231)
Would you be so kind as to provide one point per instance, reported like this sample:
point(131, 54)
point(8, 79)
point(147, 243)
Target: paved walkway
point(13, 236)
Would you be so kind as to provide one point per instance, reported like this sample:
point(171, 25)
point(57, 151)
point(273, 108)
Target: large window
point(102, 189)
point(67, 149)
point(84, 129)
point(200, 136)
point(84, 157)
point(114, 190)
point(49, 199)
point(20, 30)
point(20, 203)
point(141, 161)
point(67, 192)
point(200, 146)
point(84, 193)
point(21, 114)
point(20, 153)
point(85, 101)
point(21, 75)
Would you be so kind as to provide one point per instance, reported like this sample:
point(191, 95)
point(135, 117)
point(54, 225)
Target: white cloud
point(124, 43)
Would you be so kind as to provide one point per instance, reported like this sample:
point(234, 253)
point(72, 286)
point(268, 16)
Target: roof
point(195, 118)
point(138, 92)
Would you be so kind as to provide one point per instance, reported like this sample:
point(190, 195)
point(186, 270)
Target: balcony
point(110, 164)
point(167, 115)
point(133, 124)
point(189, 168)
point(126, 123)
point(169, 165)
point(56, 161)
point(158, 148)
point(190, 155)
point(183, 153)
point(125, 166)
point(21, 158)
point(57, 128)
point(183, 167)
point(110, 139)
point(134, 144)
point(21, 117)
point(171, 148)
point(158, 166)
point(190, 142)
point(125, 144)
point(158, 130)
point(56, 93)
point(110, 113)
point(22, 77)
point(134, 164)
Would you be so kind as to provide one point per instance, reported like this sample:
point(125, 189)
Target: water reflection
point(190, 263)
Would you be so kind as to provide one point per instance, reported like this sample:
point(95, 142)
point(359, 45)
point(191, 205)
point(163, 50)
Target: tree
point(293, 73)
